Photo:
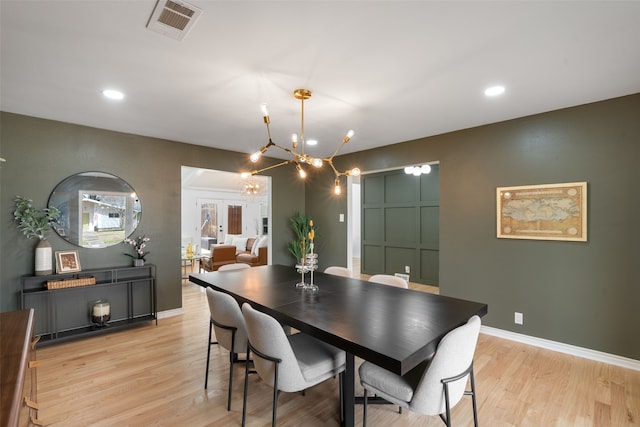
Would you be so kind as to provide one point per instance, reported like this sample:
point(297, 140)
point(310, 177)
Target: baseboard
point(585, 353)
point(170, 313)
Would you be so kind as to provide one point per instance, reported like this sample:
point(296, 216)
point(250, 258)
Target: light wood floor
point(154, 376)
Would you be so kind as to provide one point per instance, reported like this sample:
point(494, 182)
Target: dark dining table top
point(392, 327)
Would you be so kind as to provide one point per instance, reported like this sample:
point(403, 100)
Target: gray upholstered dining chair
point(234, 266)
point(338, 271)
point(288, 363)
point(227, 321)
point(388, 279)
point(436, 385)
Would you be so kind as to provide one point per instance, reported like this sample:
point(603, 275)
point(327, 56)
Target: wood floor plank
point(154, 376)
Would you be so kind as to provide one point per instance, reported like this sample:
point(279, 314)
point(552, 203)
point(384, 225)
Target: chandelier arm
point(302, 123)
point(330, 161)
point(266, 122)
point(335, 153)
point(286, 162)
point(288, 150)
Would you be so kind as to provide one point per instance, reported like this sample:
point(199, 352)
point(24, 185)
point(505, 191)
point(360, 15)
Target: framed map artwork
point(543, 212)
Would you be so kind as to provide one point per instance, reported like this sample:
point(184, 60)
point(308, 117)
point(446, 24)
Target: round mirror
point(97, 209)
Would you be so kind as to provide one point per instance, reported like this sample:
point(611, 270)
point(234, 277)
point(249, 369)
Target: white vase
point(43, 262)
point(138, 262)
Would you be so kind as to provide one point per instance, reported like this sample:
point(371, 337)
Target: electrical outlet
point(407, 269)
point(518, 318)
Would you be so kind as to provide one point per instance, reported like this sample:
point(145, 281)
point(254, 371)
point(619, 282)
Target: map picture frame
point(542, 212)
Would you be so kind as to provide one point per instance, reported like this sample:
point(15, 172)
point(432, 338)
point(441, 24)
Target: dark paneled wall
point(584, 294)
point(400, 215)
point(41, 153)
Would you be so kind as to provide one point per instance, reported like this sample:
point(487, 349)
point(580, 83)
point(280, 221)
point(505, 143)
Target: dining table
point(392, 327)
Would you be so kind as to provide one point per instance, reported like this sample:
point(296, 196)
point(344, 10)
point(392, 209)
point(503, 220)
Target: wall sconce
point(417, 170)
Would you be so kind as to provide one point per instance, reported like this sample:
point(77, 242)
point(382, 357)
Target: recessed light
point(312, 142)
point(494, 91)
point(113, 94)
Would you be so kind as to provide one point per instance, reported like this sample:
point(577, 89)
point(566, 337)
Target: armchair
point(220, 255)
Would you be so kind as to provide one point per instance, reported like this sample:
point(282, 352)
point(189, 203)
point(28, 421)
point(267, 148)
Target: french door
point(217, 218)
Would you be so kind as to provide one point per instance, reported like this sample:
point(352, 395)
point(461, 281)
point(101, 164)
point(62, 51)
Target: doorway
point(214, 206)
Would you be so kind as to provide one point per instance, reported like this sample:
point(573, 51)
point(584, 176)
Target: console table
point(66, 313)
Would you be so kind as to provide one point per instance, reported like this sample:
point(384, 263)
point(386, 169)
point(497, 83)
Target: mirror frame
point(98, 209)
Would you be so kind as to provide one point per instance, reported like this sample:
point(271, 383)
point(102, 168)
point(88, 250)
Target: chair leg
point(447, 421)
point(364, 408)
point(341, 381)
point(206, 374)
point(246, 386)
point(231, 360)
point(276, 393)
point(473, 397)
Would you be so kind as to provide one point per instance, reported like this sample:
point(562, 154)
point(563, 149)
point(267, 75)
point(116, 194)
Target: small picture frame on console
point(67, 262)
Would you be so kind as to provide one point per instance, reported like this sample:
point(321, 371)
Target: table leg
point(348, 392)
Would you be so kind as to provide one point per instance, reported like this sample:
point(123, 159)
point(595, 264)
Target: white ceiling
point(391, 70)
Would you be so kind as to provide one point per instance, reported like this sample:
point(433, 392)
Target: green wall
point(583, 294)
point(41, 153)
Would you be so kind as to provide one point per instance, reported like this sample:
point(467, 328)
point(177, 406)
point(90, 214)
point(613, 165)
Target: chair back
point(267, 336)
point(226, 311)
point(234, 266)
point(453, 356)
point(388, 279)
point(338, 271)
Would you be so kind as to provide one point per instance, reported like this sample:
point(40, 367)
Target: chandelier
point(251, 189)
point(300, 158)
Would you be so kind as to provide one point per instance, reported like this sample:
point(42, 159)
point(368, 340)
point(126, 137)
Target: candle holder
point(312, 265)
point(302, 268)
point(100, 313)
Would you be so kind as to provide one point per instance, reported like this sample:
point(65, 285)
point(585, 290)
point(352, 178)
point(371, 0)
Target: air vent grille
point(173, 18)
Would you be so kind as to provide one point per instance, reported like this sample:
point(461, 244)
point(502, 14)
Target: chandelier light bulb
point(245, 175)
point(301, 171)
point(354, 172)
point(265, 110)
point(255, 156)
point(337, 189)
point(316, 162)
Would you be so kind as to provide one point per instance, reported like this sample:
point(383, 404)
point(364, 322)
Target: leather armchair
point(220, 255)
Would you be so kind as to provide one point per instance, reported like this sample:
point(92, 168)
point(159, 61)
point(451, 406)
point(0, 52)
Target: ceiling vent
point(173, 18)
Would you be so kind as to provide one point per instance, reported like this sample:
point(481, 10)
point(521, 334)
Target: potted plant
point(301, 226)
point(35, 223)
point(138, 243)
